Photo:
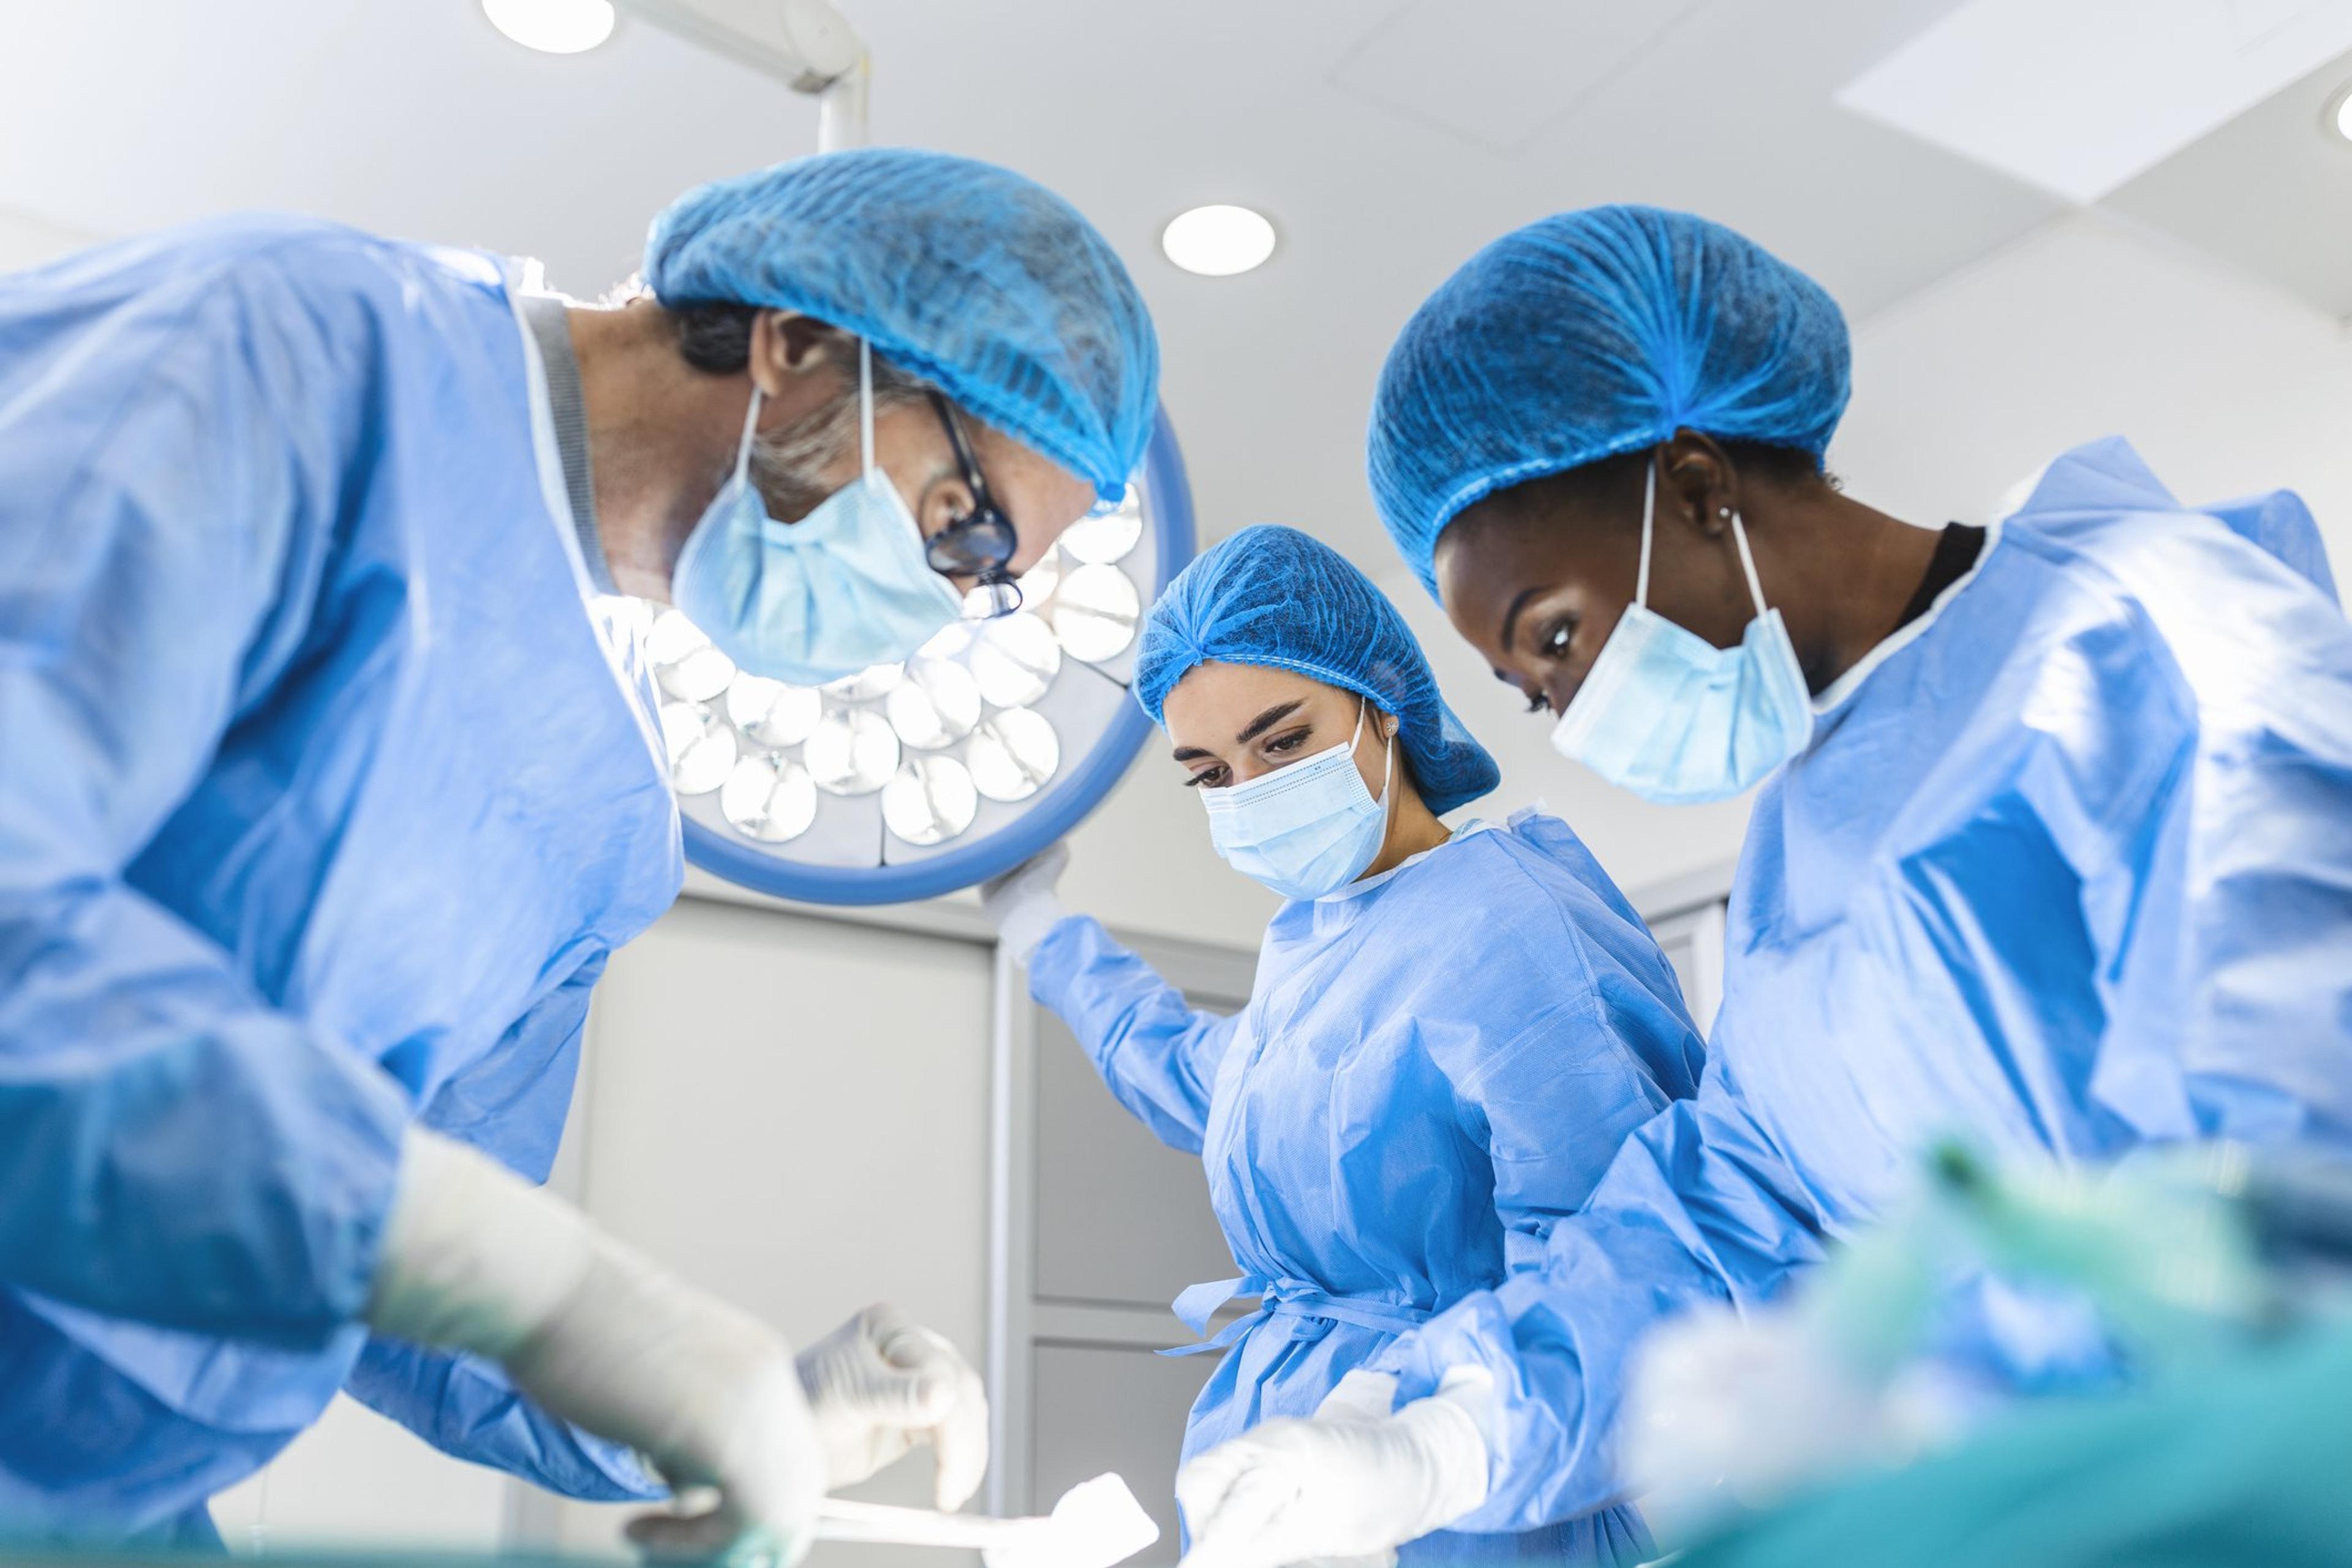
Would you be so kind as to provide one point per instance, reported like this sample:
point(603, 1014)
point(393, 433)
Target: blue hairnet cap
point(1589, 334)
point(1273, 595)
point(977, 280)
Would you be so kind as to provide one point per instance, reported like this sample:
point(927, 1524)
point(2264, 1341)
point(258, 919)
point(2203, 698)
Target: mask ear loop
point(1388, 752)
point(865, 406)
point(750, 428)
point(1748, 560)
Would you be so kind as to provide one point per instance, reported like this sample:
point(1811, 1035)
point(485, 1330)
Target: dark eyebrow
point(1188, 753)
point(1511, 615)
point(1268, 719)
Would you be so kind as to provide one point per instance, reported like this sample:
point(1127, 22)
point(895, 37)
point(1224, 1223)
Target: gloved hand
point(474, 1256)
point(1353, 1482)
point(1021, 903)
point(879, 1385)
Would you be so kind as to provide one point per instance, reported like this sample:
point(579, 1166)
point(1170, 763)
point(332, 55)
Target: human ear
point(1699, 485)
point(786, 343)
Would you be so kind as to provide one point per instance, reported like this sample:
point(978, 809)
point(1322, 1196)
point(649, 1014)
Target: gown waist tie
point(1297, 1301)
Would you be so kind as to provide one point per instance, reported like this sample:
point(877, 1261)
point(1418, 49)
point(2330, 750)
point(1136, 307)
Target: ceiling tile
point(1497, 71)
point(2270, 191)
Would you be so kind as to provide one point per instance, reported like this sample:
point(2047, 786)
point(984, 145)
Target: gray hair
point(786, 463)
point(715, 337)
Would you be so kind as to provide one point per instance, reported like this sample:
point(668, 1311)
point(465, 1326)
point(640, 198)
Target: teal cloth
point(2251, 1462)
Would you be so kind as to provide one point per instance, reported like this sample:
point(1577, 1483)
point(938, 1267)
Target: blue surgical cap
point(1273, 595)
point(1589, 334)
point(980, 281)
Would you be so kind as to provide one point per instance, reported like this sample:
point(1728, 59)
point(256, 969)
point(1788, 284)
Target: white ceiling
point(416, 119)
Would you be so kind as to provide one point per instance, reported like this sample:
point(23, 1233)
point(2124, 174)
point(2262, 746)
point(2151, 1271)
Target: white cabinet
point(793, 1113)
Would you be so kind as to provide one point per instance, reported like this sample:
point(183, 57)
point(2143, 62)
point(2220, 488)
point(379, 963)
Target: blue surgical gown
point(1434, 1069)
point(324, 795)
point(2068, 868)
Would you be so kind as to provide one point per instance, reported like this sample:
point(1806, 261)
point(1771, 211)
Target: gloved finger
point(1203, 1481)
point(904, 1342)
point(1361, 1394)
point(1246, 1531)
point(1039, 873)
point(934, 1370)
point(959, 1444)
point(910, 1399)
point(1234, 1511)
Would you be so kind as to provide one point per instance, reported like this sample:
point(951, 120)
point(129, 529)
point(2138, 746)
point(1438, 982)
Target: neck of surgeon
point(1412, 829)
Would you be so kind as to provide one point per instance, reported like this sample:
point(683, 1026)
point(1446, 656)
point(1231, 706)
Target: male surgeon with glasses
point(330, 777)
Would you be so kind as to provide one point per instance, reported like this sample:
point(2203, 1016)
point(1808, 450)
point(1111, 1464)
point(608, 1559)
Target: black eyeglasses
point(983, 542)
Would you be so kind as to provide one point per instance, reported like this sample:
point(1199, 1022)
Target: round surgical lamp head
point(907, 781)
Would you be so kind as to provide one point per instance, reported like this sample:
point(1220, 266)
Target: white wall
point(2094, 327)
point(27, 240)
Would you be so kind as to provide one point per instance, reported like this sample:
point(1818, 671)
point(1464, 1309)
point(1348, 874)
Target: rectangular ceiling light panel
point(1498, 71)
point(2079, 96)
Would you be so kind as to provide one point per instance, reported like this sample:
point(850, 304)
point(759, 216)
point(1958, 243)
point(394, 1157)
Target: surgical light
point(2339, 112)
point(908, 780)
point(552, 26)
point(1218, 241)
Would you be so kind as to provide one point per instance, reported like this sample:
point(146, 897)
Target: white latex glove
point(879, 1385)
point(476, 1258)
point(1021, 903)
point(1354, 1482)
point(1725, 1414)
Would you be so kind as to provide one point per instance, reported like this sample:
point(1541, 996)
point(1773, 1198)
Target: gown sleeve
point(467, 1407)
point(1156, 1051)
point(511, 1105)
point(2196, 774)
point(1696, 1206)
point(175, 1150)
point(1553, 1098)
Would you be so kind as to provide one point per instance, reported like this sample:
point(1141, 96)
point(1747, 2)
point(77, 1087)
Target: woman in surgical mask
point(2055, 849)
point(1450, 1032)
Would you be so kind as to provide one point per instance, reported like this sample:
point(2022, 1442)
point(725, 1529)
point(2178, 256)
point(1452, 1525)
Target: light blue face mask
point(1307, 830)
point(1670, 716)
point(813, 601)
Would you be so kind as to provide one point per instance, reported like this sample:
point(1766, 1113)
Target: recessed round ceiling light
point(1218, 241)
point(2339, 112)
point(552, 26)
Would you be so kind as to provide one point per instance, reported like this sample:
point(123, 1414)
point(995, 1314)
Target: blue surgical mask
point(813, 601)
point(1670, 716)
point(1307, 830)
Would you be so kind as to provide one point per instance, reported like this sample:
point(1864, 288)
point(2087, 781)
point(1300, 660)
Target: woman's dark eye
point(1557, 640)
point(1289, 742)
point(1207, 778)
